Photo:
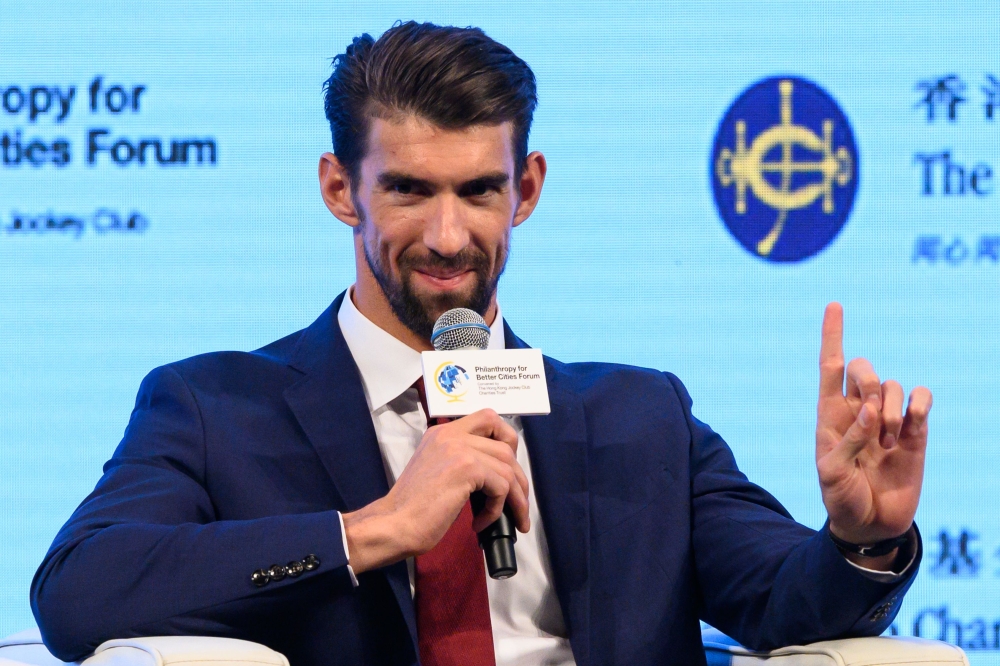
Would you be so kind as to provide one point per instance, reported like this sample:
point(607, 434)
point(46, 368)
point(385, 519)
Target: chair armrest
point(26, 649)
point(873, 651)
point(189, 650)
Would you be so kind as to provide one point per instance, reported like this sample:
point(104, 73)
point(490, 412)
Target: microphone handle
point(497, 540)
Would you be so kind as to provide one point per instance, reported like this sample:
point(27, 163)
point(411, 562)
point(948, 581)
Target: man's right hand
point(476, 452)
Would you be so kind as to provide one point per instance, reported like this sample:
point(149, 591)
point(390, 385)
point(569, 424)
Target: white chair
point(26, 649)
point(720, 650)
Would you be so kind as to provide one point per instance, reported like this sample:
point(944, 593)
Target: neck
point(370, 301)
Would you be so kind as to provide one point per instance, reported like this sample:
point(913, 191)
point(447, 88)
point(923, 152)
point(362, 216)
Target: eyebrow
point(490, 180)
point(497, 180)
point(389, 178)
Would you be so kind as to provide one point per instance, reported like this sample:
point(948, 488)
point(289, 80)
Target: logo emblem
point(784, 169)
point(452, 380)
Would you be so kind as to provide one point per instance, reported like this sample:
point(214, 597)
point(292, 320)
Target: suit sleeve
point(766, 580)
point(144, 554)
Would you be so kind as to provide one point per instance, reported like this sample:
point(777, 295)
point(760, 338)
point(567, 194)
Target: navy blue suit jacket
point(233, 462)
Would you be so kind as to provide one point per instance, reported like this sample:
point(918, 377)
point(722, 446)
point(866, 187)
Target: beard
point(418, 312)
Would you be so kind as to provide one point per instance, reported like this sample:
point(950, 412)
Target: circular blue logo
point(452, 380)
point(784, 169)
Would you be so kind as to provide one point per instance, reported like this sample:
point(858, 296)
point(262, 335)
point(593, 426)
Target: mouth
point(443, 280)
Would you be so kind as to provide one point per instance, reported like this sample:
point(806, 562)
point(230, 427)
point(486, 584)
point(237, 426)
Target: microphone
point(462, 328)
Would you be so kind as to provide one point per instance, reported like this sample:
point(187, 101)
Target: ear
point(532, 178)
point(335, 186)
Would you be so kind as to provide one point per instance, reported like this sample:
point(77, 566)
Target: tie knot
point(422, 395)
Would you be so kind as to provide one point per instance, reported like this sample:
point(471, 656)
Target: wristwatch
point(876, 549)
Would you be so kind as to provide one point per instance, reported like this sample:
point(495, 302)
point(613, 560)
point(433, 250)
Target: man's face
point(435, 210)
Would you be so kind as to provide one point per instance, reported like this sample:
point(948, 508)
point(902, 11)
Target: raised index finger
point(831, 354)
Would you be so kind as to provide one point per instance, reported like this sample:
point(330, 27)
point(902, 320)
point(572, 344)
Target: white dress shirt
point(528, 625)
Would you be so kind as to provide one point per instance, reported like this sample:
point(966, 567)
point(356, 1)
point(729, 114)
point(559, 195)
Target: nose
point(447, 230)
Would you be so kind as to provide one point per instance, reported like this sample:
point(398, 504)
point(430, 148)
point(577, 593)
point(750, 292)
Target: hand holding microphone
point(461, 328)
point(470, 458)
point(452, 461)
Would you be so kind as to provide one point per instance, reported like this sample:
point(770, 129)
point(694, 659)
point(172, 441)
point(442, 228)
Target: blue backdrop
point(158, 199)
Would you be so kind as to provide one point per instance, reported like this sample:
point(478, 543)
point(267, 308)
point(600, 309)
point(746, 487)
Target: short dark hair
point(452, 77)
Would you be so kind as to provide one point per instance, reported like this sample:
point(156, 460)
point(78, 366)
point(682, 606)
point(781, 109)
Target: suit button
point(277, 572)
point(260, 578)
point(310, 563)
point(880, 613)
point(295, 568)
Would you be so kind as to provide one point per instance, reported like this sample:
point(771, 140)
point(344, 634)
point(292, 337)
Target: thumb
point(865, 427)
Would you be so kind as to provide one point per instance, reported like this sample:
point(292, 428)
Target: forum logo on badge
point(452, 380)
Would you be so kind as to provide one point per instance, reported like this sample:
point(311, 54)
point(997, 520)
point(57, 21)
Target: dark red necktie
point(453, 607)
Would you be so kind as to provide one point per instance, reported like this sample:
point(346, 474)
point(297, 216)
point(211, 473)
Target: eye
point(403, 188)
point(481, 188)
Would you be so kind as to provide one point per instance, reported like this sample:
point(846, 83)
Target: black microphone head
point(460, 328)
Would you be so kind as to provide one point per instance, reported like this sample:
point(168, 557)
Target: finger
point(460, 441)
point(500, 487)
point(496, 457)
point(487, 423)
point(831, 354)
point(862, 382)
point(914, 431)
point(503, 453)
point(517, 498)
point(892, 412)
point(857, 437)
point(493, 489)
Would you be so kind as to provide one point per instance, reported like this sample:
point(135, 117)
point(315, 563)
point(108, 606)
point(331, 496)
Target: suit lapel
point(329, 403)
point(557, 448)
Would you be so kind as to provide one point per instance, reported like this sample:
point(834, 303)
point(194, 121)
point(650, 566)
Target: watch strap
point(876, 549)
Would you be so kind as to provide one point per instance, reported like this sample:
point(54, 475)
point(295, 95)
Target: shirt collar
point(387, 365)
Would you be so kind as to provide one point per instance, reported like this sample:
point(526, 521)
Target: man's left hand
point(870, 457)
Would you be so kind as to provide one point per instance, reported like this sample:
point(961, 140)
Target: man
point(296, 497)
